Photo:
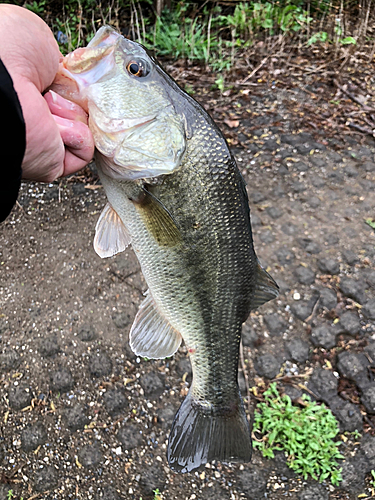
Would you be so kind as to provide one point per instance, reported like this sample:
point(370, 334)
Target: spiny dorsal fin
point(111, 235)
point(151, 335)
point(265, 289)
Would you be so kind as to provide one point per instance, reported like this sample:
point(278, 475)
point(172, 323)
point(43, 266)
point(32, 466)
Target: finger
point(79, 144)
point(64, 108)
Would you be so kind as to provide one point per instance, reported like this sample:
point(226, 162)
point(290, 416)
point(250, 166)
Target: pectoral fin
point(158, 220)
point(265, 289)
point(151, 335)
point(111, 235)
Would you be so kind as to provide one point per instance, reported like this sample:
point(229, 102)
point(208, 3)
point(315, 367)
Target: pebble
point(349, 323)
point(108, 493)
point(292, 392)
point(32, 436)
point(9, 360)
point(329, 266)
point(301, 166)
point(353, 475)
point(323, 336)
point(368, 310)
point(19, 397)
point(368, 451)
point(90, 455)
point(267, 236)
point(165, 417)
point(151, 384)
point(289, 229)
point(130, 437)
point(323, 384)
point(274, 212)
point(370, 278)
point(267, 366)
point(184, 366)
point(100, 364)
point(305, 275)
point(122, 319)
point(351, 365)
point(328, 298)
point(353, 289)
point(152, 478)
point(348, 414)
point(318, 182)
point(252, 482)
point(309, 245)
point(302, 309)
point(313, 202)
point(87, 333)
point(313, 492)
point(255, 220)
point(61, 380)
point(257, 196)
point(351, 171)
point(350, 257)
point(298, 187)
point(275, 324)
point(249, 336)
point(368, 399)
point(298, 350)
point(331, 239)
point(115, 401)
point(368, 166)
point(75, 417)
point(46, 479)
point(318, 161)
point(49, 346)
point(285, 256)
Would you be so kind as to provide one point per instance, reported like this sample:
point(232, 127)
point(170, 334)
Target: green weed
point(306, 435)
point(157, 494)
point(371, 222)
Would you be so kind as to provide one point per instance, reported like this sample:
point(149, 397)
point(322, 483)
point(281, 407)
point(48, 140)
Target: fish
point(176, 195)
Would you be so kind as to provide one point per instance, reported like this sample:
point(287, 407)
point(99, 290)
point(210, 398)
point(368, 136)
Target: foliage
point(372, 481)
point(370, 222)
point(305, 434)
point(157, 494)
point(214, 33)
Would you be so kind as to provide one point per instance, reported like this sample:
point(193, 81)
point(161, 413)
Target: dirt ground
point(83, 418)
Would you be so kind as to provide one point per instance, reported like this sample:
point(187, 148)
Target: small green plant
point(305, 434)
point(370, 222)
point(157, 494)
point(372, 481)
point(36, 7)
point(10, 495)
point(321, 36)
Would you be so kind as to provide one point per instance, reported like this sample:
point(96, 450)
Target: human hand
point(58, 141)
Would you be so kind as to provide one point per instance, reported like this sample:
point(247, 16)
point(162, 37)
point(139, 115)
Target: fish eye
point(137, 68)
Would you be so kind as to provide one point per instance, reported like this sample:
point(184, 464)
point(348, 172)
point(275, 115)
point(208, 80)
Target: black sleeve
point(12, 143)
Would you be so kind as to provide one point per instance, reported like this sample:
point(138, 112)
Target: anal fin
point(151, 335)
point(111, 235)
point(265, 289)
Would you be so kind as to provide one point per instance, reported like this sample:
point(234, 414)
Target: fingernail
point(63, 122)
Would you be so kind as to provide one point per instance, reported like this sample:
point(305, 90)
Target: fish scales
point(176, 194)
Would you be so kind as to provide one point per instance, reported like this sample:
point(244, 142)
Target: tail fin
point(200, 434)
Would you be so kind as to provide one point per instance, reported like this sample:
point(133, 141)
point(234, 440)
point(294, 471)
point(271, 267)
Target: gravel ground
point(83, 418)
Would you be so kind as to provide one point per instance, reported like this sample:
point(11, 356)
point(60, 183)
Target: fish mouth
point(85, 66)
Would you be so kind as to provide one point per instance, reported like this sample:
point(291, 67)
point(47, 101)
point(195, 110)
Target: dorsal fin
point(111, 235)
point(151, 335)
point(265, 289)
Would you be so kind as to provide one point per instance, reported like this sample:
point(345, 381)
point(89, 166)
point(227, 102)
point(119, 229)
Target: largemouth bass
point(175, 193)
